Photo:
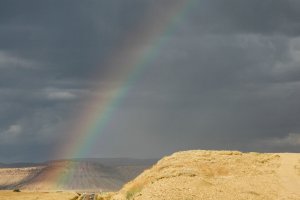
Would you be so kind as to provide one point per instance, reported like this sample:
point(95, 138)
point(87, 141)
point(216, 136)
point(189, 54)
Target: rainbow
point(134, 55)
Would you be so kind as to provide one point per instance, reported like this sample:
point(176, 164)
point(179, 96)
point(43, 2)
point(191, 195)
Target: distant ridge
point(21, 164)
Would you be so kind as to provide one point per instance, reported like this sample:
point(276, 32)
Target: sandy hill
point(79, 174)
point(218, 175)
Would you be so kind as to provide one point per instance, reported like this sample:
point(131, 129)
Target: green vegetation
point(133, 191)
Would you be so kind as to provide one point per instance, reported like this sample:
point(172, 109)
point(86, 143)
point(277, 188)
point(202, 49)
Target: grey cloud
point(260, 17)
point(225, 77)
point(291, 139)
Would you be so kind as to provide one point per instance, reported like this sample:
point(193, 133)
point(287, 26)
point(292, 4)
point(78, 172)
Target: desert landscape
point(193, 175)
point(82, 175)
point(149, 100)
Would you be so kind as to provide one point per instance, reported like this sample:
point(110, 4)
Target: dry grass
point(197, 175)
point(105, 196)
point(134, 189)
point(28, 195)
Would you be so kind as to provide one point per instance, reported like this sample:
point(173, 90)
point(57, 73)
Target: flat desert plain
point(82, 175)
point(30, 195)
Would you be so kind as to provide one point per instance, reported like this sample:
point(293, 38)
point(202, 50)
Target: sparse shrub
point(16, 190)
point(130, 194)
point(75, 198)
point(105, 195)
point(133, 191)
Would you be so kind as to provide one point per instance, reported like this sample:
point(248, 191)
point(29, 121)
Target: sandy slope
point(218, 175)
point(289, 174)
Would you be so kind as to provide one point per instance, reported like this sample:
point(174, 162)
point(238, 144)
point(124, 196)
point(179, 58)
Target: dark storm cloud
point(227, 77)
point(231, 97)
point(234, 16)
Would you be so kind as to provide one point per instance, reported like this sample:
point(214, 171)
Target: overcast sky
point(226, 77)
